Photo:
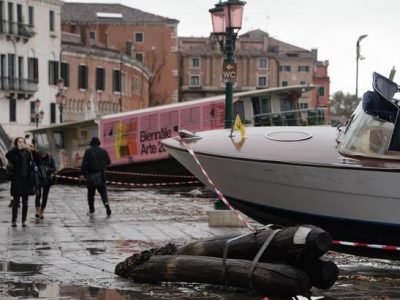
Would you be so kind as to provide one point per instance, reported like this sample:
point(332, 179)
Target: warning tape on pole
point(214, 187)
point(139, 185)
point(146, 174)
point(366, 245)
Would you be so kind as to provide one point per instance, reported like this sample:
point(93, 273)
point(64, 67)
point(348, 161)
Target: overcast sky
point(332, 26)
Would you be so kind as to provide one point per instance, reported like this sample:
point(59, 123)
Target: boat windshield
point(366, 135)
point(374, 127)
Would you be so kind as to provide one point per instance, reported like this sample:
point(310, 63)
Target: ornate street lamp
point(358, 57)
point(227, 20)
point(60, 98)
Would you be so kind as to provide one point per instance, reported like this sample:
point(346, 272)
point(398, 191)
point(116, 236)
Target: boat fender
point(300, 237)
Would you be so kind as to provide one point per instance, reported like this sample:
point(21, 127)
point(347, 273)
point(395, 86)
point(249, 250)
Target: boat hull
point(353, 203)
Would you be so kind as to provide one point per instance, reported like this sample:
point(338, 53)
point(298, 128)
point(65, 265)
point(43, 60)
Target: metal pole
point(229, 50)
point(357, 59)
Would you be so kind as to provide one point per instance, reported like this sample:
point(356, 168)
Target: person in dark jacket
point(94, 163)
point(21, 184)
point(47, 167)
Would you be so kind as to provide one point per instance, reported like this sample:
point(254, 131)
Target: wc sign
point(229, 72)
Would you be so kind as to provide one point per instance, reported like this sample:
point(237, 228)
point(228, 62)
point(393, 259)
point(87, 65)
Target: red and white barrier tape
point(216, 190)
point(145, 174)
point(365, 245)
point(149, 174)
point(137, 184)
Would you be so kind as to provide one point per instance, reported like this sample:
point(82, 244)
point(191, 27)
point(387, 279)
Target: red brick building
point(100, 81)
point(262, 61)
point(148, 38)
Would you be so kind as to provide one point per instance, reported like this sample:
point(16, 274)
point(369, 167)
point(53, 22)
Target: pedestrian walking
point(94, 163)
point(47, 168)
point(21, 182)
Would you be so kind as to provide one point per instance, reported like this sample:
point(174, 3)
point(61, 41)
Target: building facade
point(148, 38)
point(29, 41)
point(100, 81)
point(262, 62)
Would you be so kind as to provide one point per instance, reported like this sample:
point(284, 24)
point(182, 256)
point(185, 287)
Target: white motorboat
point(345, 180)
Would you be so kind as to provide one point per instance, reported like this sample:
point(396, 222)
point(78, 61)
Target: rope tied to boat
point(214, 187)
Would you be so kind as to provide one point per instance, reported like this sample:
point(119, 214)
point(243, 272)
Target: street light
point(60, 98)
point(226, 19)
point(358, 57)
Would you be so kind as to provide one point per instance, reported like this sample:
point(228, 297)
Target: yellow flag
point(239, 126)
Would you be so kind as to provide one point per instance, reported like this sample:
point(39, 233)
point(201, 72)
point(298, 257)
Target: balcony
point(16, 30)
point(18, 85)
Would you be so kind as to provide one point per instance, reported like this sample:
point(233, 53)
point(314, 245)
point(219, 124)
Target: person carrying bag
point(46, 170)
point(94, 163)
point(20, 157)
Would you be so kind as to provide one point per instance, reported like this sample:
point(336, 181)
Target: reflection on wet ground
point(71, 256)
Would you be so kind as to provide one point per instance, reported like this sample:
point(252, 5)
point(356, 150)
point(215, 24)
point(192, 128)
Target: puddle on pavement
point(55, 291)
point(95, 251)
point(19, 267)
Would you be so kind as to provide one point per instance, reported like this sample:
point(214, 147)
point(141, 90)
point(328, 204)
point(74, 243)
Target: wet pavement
point(69, 255)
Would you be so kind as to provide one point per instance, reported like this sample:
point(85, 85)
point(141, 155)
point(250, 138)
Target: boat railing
point(296, 117)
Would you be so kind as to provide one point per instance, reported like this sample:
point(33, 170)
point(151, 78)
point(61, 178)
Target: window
point(303, 83)
point(32, 112)
point(195, 80)
point(52, 113)
point(1, 16)
point(92, 35)
point(262, 63)
point(284, 83)
point(82, 77)
point(284, 68)
point(13, 110)
point(137, 86)
point(33, 69)
point(10, 17)
point(116, 81)
point(20, 67)
point(11, 66)
point(53, 72)
point(100, 79)
point(261, 105)
point(139, 57)
point(286, 104)
point(65, 73)
point(58, 138)
point(73, 29)
point(321, 91)
point(139, 37)
point(303, 105)
point(51, 20)
point(304, 68)
point(195, 63)
point(262, 81)
point(30, 16)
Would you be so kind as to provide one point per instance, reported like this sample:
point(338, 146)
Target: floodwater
point(69, 255)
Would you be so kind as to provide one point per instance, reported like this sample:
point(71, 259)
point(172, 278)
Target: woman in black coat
point(47, 168)
point(20, 157)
